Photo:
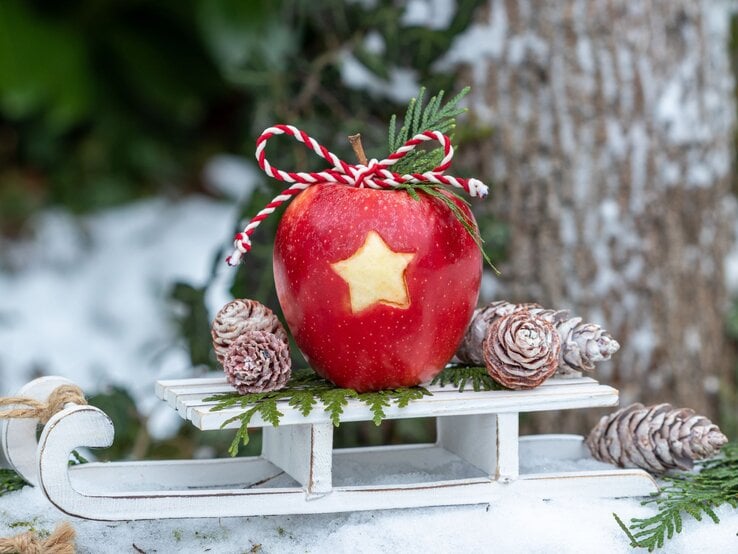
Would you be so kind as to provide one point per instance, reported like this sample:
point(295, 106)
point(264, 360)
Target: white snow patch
point(585, 56)
point(479, 41)
point(568, 228)
point(489, 288)
point(731, 260)
point(616, 138)
point(643, 342)
point(692, 339)
point(231, 176)
point(639, 164)
point(374, 43)
point(431, 14)
point(711, 384)
point(401, 86)
point(87, 299)
point(163, 422)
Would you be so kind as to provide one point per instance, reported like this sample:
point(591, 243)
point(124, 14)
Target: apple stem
point(355, 141)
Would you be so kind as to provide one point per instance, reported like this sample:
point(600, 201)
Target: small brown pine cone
point(258, 361)
point(470, 350)
point(521, 350)
point(239, 316)
point(655, 438)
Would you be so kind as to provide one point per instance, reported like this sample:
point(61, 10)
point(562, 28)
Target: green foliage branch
point(307, 391)
point(304, 392)
point(692, 494)
point(461, 377)
point(434, 116)
point(10, 481)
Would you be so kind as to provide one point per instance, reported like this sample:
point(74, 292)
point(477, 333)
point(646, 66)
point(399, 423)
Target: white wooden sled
point(477, 458)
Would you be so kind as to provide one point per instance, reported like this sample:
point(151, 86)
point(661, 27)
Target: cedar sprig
point(418, 118)
point(441, 194)
point(10, 481)
point(462, 376)
point(694, 494)
point(437, 117)
point(304, 391)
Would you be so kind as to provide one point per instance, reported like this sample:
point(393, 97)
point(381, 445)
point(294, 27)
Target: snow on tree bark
point(610, 154)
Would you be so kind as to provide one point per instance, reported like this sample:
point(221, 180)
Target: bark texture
point(611, 158)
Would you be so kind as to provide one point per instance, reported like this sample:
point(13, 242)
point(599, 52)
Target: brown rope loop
point(59, 397)
point(61, 541)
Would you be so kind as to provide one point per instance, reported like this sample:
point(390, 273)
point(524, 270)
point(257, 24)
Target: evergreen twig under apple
point(304, 391)
point(461, 377)
point(307, 391)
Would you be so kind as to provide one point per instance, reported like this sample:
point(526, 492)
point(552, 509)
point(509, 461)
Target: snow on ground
point(510, 525)
point(88, 297)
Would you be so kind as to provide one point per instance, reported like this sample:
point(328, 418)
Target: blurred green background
point(102, 102)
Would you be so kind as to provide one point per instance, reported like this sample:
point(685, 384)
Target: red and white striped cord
point(373, 175)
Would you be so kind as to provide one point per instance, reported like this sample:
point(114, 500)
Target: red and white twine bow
point(374, 175)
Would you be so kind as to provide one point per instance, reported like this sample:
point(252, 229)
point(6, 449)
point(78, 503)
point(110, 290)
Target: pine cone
point(657, 438)
point(521, 350)
point(582, 344)
point(239, 316)
point(470, 350)
point(258, 361)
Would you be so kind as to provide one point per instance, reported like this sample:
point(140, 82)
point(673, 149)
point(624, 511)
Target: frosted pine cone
point(582, 344)
point(656, 438)
point(239, 316)
point(470, 350)
point(258, 361)
point(521, 350)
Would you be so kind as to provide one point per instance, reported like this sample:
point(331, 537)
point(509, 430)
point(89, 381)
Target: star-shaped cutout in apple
point(375, 274)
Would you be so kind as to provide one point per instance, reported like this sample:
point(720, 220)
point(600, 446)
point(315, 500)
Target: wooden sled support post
point(508, 463)
point(304, 452)
point(486, 441)
point(472, 438)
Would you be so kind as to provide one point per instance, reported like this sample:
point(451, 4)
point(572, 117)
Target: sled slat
point(554, 397)
point(217, 384)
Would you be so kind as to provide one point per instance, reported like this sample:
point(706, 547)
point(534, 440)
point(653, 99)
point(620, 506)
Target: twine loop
point(375, 174)
point(61, 541)
point(43, 411)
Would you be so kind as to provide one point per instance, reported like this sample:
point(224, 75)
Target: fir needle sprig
point(693, 494)
point(462, 376)
point(10, 481)
point(419, 118)
point(434, 116)
point(305, 391)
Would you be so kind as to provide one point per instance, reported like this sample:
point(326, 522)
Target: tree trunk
point(610, 158)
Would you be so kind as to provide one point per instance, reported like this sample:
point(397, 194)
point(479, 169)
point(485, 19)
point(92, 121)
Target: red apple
point(377, 287)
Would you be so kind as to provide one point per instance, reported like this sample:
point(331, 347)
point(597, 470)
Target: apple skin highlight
point(383, 345)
